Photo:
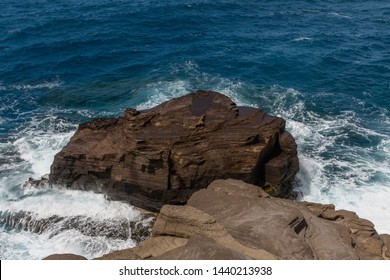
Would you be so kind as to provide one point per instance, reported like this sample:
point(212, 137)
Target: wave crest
point(42, 85)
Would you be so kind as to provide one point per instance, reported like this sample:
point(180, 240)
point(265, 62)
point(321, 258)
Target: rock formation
point(162, 158)
point(165, 154)
point(235, 220)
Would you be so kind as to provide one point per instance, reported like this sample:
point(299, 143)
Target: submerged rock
point(165, 154)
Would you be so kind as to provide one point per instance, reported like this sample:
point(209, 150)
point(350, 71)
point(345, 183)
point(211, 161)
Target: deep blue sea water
point(324, 66)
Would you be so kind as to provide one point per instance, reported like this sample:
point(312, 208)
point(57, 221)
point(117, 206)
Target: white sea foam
point(39, 151)
point(158, 92)
point(334, 169)
point(299, 39)
point(385, 146)
point(76, 214)
point(30, 150)
point(163, 91)
point(334, 14)
point(42, 85)
point(27, 245)
point(41, 139)
point(22, 209)
point(47, 202)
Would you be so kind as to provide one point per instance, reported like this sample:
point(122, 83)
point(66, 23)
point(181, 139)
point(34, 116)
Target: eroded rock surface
point(165, 154)
point(235, 220)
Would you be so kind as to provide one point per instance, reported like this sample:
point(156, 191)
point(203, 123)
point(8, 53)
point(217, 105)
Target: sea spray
point(321, 66)
point(39, 221)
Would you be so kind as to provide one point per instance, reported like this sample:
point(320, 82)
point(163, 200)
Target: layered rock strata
point(235, 220)
point(165, 154)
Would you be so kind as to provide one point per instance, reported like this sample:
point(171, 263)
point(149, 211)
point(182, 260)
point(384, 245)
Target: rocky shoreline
point(235, 220)
point(219, 176)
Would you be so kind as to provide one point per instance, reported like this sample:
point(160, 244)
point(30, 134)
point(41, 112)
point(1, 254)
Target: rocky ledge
point(163, 155)
point(179, 153)
point(235, 220)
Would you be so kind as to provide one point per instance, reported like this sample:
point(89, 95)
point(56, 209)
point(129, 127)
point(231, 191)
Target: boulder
point(57, 257)
point(189, 222)
point(386, 247)
point(164, 154)
point(232, 219)
point(126, 254)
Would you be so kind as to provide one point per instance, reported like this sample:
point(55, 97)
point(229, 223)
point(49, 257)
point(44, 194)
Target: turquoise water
point(324, 66)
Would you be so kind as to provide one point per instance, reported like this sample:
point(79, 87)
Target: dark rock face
point(165, 154)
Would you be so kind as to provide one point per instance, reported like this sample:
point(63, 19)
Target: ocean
point(324, 66)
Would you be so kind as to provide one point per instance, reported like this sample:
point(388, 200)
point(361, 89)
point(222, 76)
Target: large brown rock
point(165, 154)
point(386, 247)
point(235, 220)
point(201, 248)
point(189, 222)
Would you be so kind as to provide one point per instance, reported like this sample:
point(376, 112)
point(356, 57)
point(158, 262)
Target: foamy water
point(342, 161)
point(332, 170)
point(37, 222)
point(321, 66)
